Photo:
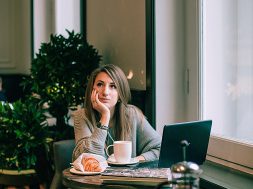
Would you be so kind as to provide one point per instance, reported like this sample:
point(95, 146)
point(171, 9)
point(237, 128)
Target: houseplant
point(23, 134)
point(59, 75)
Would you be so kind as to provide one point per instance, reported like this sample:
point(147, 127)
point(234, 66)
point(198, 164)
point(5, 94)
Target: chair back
point(62, 159)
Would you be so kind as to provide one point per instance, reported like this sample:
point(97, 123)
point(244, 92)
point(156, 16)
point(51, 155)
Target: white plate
point(74, 171)
point(132, 161)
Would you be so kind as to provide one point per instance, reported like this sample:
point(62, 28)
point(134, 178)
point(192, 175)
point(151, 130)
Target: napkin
point(78, 165)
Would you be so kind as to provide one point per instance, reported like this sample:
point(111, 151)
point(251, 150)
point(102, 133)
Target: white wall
point(67, 14)
point(192, 59)
point(170, 69)
point(54, 17)
point(15, 43)
point(43, 22)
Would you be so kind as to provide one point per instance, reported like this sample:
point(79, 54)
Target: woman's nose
point(105, 91)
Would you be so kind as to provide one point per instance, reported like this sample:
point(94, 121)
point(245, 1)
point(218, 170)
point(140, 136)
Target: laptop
point(196, 133)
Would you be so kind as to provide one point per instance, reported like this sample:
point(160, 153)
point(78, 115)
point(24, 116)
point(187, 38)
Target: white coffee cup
point(122, 151)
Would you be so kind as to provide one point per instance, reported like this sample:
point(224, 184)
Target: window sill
point(216, 176)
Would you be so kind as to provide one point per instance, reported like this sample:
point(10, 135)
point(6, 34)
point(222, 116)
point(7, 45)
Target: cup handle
point(107, 153)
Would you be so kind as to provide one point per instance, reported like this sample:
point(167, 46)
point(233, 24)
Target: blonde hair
point(123, 111)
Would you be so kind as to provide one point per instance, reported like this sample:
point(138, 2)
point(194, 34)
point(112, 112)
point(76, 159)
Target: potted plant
point(23, 134)
point(59, 75)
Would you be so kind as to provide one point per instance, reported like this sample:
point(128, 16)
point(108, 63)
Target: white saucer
point(74, 171)
point(131, 162)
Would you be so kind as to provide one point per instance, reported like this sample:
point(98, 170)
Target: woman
point(107, 116)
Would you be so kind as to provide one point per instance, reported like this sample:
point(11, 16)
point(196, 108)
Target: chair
point(62, 159)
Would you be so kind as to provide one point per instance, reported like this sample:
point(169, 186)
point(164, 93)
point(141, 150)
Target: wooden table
point(92, 182)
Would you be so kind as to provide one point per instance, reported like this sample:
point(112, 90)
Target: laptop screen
point(196, 133)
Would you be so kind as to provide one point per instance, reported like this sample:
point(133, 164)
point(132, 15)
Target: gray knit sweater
point(145, 140)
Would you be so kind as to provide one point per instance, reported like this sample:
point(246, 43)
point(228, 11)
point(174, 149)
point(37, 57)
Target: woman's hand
point(140, 158)
point(100, 107)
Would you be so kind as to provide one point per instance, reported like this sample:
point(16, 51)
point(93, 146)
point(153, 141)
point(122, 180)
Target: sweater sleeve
point(148, 141)
point(88, 139)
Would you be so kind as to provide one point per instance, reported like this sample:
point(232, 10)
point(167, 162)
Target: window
point(227, 79)
point(204, 70)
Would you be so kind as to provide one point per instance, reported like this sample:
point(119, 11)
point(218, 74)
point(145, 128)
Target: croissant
point(90, 164)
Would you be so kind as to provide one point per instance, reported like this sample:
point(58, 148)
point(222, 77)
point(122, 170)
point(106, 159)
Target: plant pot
point(19, 178)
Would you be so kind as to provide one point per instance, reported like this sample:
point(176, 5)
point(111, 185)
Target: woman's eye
point(99, 84)
point(113, 86)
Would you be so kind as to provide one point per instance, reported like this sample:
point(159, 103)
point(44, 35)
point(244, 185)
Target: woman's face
point(106, 88)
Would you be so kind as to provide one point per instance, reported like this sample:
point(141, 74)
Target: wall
point(67, 16)
point(192, 59)
point(170, 62)
point(54, 17)
point(43, 22)
point(15, 42)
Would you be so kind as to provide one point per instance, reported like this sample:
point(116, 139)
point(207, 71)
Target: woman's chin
point(107, 105)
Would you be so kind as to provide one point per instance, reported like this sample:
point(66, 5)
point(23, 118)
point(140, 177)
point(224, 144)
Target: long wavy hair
point(123, 111)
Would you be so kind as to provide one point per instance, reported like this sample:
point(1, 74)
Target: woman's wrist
point(105, 119)
point(101, 126)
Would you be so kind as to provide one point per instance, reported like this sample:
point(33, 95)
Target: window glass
point(228, 68)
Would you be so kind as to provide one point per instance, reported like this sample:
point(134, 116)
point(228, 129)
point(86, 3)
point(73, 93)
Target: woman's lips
point(104, 100)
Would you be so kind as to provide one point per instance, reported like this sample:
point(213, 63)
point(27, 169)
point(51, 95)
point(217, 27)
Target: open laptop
point(197, 133)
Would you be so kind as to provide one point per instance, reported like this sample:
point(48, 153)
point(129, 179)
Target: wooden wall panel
point(6, 35)
point(15, 36)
